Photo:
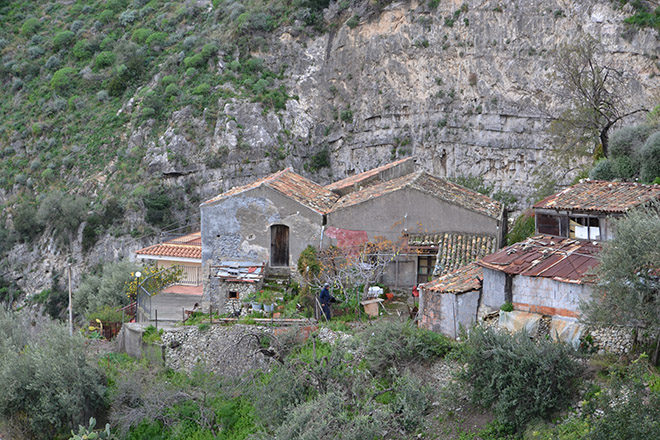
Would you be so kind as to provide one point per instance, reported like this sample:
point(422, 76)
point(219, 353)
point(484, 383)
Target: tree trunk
point(605, 139)
point(654, 358)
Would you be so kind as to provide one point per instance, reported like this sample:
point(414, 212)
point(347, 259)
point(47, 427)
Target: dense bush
point(628, 409)
point(651, 158)
point(63, 213)
point(523, 227)
point(518, 378)
point(30, 27)
point(390, 345)
point(104, 59)
point(105, 288)
point(628, 141)
point(159, 207)
point(603, 170)
point(83, 50)
point(63, 39)
point(25, 221)
point(64, 79)
point(49, 387)
point(323, 418)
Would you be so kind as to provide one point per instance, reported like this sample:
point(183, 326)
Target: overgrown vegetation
point(49, 387)
point(518, 378)
point(634, 154)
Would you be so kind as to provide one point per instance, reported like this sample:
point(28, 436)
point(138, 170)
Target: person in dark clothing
point(325, 298)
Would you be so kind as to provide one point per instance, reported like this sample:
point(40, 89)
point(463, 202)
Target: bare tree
point(594, 93)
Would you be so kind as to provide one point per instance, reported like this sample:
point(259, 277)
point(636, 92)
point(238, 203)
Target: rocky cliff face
point(466, 87)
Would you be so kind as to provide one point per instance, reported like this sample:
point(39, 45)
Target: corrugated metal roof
point(239, 271)
point(465, 279)
point(601, 196)
point(434, 186)
point(364, 176)
point(562, 259)
point(188, 246)
point(292, 185)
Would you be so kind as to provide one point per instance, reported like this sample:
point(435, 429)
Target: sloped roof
point(292, 185)
point(456, 250)
point(365, 176)
point(188, 246)
point(562, 259)
point(465, 279)
point(601, 196)
point(434, 186)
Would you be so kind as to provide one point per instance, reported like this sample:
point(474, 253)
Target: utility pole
point(70, 307)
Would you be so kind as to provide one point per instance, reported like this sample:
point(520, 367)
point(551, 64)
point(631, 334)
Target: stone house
point(425, 211)
point(269, 222)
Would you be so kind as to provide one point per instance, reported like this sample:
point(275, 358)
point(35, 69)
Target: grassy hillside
point(80, 77)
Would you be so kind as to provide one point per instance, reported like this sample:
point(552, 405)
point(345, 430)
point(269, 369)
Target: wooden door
point(279, 245)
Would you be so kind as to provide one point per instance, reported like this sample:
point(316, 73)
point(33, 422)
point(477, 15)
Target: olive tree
point(628, 288)
point(48, 384)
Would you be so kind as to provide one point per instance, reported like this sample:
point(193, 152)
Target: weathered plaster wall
point(409, 210)
point(402, 272)
point(238, 228)
point(447, 313)
point(493, 291)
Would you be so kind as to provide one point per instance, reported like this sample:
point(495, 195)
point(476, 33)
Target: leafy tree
point(628, 289)
point(651, 158)
point(523, 227)
point(594, 92)
point(48, 384)
point(64, 213)
point(25, 222)
point(106, 288)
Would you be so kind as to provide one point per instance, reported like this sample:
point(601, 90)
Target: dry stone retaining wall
point(226, 350)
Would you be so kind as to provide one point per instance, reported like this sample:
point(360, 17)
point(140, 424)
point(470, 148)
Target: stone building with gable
point(269, 222)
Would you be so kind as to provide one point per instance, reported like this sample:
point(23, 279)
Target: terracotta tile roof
point(188, 246)
point(601, 195)
point(456, 250)
point(362, 178)
point(561, 259)
point(465, 279)
point(424, 182)
point(292, 185)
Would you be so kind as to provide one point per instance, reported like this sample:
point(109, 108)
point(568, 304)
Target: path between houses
point(171, 302)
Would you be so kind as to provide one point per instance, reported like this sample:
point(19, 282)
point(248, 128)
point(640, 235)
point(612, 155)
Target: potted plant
point(267, 298)
point(254, 301)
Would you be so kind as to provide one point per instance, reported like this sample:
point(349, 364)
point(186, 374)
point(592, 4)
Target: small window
point(232, 295)
point(586, 228)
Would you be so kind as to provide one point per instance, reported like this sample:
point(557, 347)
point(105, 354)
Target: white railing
point(192, 275)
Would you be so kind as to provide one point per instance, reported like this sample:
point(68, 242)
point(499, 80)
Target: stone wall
point(617, 339)
point(219, 295)
point(226, 350)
